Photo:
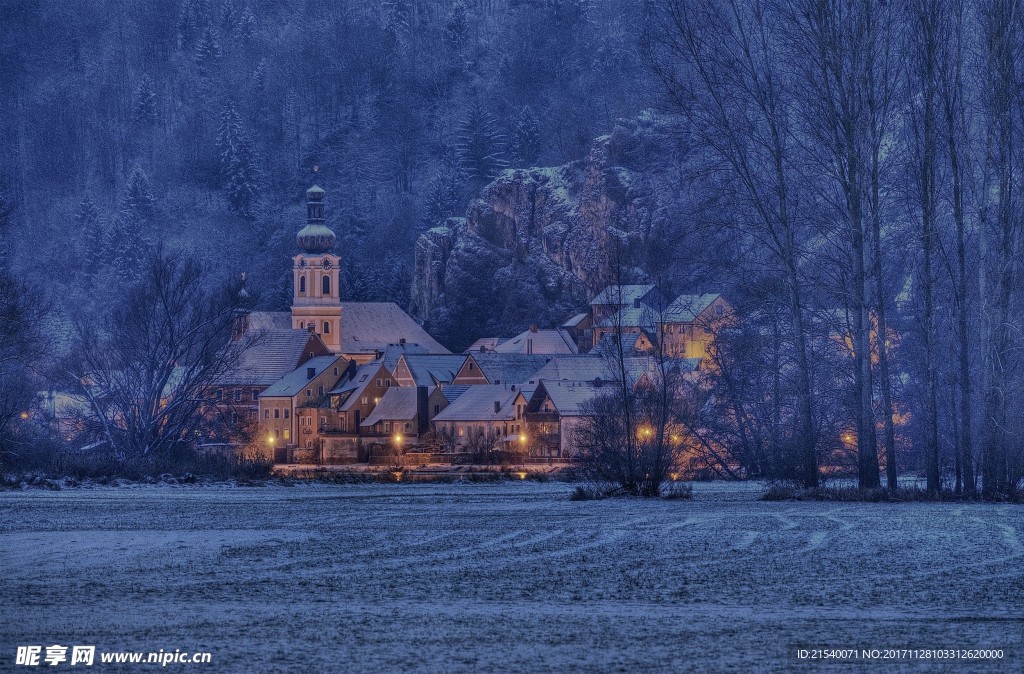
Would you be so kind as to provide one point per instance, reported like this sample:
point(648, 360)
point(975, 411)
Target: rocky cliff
point(539, 242)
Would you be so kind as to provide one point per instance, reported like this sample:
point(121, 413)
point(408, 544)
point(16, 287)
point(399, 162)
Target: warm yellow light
point(24, 415)
point(270, 439)
point(522, 474)
point(674, 476)
point(522, 438)
point(398, 438)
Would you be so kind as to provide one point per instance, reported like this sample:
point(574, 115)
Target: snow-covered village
point(512, 335)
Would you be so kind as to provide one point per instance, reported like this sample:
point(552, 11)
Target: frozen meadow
point(504, 577)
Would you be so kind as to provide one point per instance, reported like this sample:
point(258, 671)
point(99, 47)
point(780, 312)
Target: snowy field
point(504, 577)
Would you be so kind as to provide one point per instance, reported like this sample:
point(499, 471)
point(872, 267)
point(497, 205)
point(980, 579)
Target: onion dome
point(315, 237)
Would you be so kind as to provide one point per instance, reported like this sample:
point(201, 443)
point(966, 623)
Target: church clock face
point(302, 262)
point(326, 263)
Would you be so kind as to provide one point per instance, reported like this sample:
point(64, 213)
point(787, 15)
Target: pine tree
point(239, 164)
point(229, 137)
point(398, 18)
point(188, 25)
point(526, 145)
point(481, 145)
point(208, 51)
point(247, 25)
point(144, 110)
point(442, 200)
point(87, 221)
point(128, 243)
point(230, 19)
point(243, 179)
point(457, 27)
point(259, 76)
point(138, 199)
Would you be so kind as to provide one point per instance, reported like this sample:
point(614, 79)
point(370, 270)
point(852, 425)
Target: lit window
point(286, 434)
point(462, 431)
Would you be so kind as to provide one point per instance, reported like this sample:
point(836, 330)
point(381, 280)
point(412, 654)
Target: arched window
point(327, 285)
point(302, 284)
point(327, 328)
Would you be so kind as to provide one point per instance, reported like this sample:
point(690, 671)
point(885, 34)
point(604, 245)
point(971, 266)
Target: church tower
point(316, 272)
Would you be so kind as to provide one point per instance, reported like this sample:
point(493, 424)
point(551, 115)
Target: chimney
point(422, 412)
point(533, 327)
point(311, 327)
point(310, 372)
point(401, 341)
point(497, 406)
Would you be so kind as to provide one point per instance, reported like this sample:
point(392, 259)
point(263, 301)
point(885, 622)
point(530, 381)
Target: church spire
point(315, 237)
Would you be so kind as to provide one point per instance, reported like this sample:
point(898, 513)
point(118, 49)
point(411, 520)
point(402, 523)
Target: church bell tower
point(316, 272)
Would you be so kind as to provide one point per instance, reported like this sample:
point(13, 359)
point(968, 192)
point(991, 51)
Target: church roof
point(368, 327)
point(274, 354)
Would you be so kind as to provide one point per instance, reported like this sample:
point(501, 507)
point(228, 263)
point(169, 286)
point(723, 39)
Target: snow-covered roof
point(398, 403)
point(275, 354)
point(368, 327)
point(483, 344)
point(621, 295)
point(433, 369)
point(539, 342)
point(350, 389)
point(389, 357)
point(575, 320)
point(509, 368)
point(630, 317)
point(575, 368)
point(268, 320)
point(295, 381)
point(686, 308)
point(477, 403)
point(568, 397)
point(452, 392)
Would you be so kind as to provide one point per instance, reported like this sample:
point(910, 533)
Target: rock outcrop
point(539, 242)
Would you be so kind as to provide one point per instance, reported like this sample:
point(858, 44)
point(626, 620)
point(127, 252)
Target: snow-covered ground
point(504, 577)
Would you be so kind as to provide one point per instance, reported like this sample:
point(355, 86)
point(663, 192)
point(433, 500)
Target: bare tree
point(149, 368)
point(722, 66)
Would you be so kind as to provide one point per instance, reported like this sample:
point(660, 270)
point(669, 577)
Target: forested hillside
point(198, 124)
